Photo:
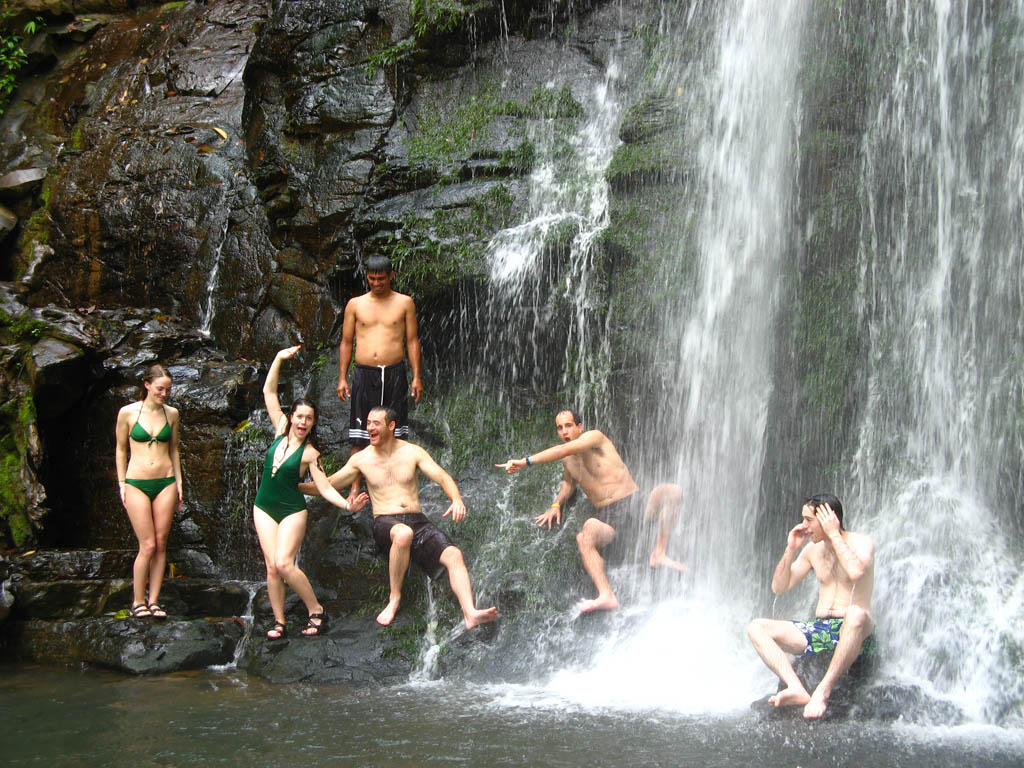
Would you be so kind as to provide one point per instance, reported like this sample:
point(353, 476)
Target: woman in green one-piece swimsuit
point(279, 511)
point(149, 481)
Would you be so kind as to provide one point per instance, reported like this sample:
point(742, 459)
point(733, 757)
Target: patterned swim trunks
point(823, 635)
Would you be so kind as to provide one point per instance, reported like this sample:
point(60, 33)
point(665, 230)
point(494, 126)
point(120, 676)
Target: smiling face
point(159, 389)
point(566, 426)
point(380, 282)
point(303, 419)
point(812, 524)
point(378, 428)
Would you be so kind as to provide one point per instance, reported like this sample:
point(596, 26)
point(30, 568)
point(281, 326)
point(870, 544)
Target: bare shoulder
point(860, 542)
point(310, 454)
point(172, 413)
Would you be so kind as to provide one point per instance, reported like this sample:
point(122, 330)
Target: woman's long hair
point(154, 372)
point(311, 437)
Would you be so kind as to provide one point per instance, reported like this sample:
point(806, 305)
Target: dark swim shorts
point(823, 635)
point(374, 386)
point(620, 514)
point(428, 541)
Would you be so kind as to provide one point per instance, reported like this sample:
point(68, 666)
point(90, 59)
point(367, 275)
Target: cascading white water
point(545, 263)
point(934, 477)
point(742, 98)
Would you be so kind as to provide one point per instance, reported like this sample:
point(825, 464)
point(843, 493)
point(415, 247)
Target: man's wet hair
point(575, 416)
point(379, 264)
point(821, 499)
point(390, 416)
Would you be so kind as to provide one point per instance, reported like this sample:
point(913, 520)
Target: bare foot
point(609, 603)
point(476, 618)
point(664, 561)
point(386, 616)
point(816, 706)
point(790, 697)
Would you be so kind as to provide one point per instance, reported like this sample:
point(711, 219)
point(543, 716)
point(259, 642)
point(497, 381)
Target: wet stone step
point(135, 646)
point(78, 599)
point(75, 564)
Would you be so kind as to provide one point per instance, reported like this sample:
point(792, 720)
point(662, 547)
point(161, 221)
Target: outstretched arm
point(323, 485)
point(792, 568)
point(270, 387)
point(554, 453)
point(433, 470)
point(340, 479)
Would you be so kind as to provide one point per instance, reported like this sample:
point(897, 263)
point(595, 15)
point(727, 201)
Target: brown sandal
point(141, 611)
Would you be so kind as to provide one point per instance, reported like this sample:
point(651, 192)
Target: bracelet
point(556, 505)
point(528, 462)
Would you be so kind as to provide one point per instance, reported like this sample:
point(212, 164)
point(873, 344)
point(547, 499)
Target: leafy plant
point(12, 50)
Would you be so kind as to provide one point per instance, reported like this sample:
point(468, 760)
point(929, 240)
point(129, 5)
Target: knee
point(756, 630)
point(147, 547)
point(283, 567)
point(857, 618)
point(401, 536)
point(160, 545)
point(452, 558)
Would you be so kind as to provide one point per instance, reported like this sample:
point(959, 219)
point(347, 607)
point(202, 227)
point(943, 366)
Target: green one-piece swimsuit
point(279, 494)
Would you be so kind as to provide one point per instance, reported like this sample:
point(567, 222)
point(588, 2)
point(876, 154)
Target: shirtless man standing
point(592, 463)
point(400, 528)
point(843, 562)
point(381, 324)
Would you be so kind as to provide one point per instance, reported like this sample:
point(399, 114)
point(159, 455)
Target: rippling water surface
point(64, 717)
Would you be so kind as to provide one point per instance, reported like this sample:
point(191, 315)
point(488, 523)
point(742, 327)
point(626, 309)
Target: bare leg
point(664, 503)
point(398, 564)
point(458, 577)
point(773, 641)
point(163, 515)
point(857, 625)
point(140, 514)
point(266, 531)
point(596, 535)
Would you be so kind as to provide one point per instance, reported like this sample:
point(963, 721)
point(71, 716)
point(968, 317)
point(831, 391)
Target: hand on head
point(827, 517)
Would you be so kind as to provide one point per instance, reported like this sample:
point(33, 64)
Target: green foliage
point(12, 51)
point(448, 136)
point(389, 57)
point(436, 17)
point(438, 251)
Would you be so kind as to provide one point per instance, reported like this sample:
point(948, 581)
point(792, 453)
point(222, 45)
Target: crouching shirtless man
point(401, 530)
point(843, 563)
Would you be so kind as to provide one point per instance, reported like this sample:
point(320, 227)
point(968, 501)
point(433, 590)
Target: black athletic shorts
point(374, 386)
point(428, 541)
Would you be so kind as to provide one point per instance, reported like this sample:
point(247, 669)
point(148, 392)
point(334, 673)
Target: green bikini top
point(140, 435)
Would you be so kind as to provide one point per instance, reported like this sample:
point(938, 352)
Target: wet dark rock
point(859, 696)
point(137, 646)
point(54, 565)
point(352, 651)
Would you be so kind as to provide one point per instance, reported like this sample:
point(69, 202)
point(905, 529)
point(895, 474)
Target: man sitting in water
point(591, 462)
point(401, 530)
point(843, 562)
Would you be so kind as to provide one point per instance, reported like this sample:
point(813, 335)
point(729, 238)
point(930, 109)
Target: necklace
point(279, 457)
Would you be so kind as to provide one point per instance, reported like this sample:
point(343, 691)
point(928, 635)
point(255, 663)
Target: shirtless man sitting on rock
point(843, 562)
point(592, 463)
point(401, 530)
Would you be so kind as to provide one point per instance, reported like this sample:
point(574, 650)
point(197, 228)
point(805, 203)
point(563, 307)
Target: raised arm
point(855, 563)
point(792, 568)
point(412, 350)
point(348, 335)
point(433, 470)
point(270, 387)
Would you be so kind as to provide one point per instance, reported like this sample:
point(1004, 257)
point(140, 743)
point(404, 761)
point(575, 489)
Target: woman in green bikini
point(149, 480)
point(279, 510)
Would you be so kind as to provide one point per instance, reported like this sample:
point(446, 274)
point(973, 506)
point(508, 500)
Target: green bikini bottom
point(151, 488)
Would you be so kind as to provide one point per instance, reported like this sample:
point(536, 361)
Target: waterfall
point(206, 323)
point(543, 320)
point(937, 468)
